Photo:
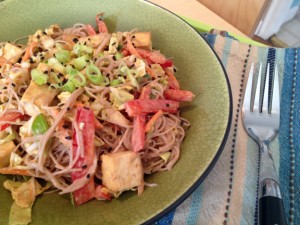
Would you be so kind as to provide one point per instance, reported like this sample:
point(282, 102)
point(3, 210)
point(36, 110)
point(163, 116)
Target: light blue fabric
point(288, 139)
point(295, 3)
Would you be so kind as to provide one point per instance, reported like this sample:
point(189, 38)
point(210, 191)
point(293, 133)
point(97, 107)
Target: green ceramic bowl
point(199, 70)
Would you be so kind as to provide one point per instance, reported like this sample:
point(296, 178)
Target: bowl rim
point(193, 187)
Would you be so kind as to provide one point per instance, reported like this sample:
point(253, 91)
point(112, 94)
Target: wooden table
point(195, 10)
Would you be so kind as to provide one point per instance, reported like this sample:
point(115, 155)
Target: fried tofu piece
point(142, 40)
point(11, 52)
point(5, 152)
point(36, 96)
point(122, 171)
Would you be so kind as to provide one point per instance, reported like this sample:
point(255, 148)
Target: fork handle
point(271, 211)
point(270, 208)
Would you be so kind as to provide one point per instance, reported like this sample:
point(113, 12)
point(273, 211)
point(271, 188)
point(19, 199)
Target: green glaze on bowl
point(199, 71)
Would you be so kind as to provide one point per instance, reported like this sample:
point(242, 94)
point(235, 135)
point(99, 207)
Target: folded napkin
point(229, 194)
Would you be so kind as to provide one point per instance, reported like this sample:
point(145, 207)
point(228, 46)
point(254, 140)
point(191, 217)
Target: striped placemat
point(229, 193)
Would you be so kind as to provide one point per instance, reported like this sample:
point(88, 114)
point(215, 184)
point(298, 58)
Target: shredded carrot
point(3, 61)
point(150, 72)
point(29, 51)
point(173, 82)
point(69, 40)
point(14, 171)
point(91, 31)
point(145, 92)
point(98, 125)
point(151, 122)
point(131, 48)
point(102, 28)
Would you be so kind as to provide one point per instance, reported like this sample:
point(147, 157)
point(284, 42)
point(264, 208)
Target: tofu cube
point(11, 52)
point(142, 40)
point(122, 171)
point(5, 151)
point(36, 96)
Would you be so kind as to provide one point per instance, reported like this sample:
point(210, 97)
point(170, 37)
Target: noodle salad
point(86, 112)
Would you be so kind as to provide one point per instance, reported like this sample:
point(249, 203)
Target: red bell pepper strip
point(167, 63)
point(9, 116)
point(86, 122)
point(179, 95)
point(102, 28)
point(139, 106)
point(173, 82)
point(91, 31)
point(155, 57)
point(138, 133)
point(101, 194)
point(139, 122)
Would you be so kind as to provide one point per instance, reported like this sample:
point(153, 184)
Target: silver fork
point(262, 124)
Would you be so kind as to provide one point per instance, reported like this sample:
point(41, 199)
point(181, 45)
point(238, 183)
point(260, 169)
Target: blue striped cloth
point(229, 194)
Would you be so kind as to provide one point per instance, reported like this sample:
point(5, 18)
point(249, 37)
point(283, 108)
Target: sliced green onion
point(53, 78)
point(63, 56)
point(77, 78)
point(119, 55)
point(115, 82)
point(68, 69)
point(39, 125)
point(55, 64)
point(69, 86)
point(94, 74)
point(81, 62)
point(39, 77)
point(11, 136)
point(80, 49)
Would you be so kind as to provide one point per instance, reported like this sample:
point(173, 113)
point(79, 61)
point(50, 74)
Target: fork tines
point(261, 102)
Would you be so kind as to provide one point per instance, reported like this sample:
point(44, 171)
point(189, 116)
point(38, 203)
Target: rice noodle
point(50, 155)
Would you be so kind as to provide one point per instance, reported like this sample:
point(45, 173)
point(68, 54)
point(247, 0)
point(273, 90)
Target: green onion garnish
point(69, 86)
point(39, 77)
point(80, 49)
point(81, 62)
point(39, 125)
point(63, 56)
point(94, 74)
point(77, 78)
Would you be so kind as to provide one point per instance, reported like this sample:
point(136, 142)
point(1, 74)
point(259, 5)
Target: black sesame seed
point(88, 176)
point(167, 105)
point(65, 126)
point(84, 167)
point(48, 83)
point(133, 36)
point(42, 58)
point(52, 70)
point(75, 40)
point(38, 36)
point(60, 75)
point(31, 60)
point(13, 84)
point(45, 72)
point(68, 137)
point(114, 57)
point(44, 32)
point(175, 70)
point(86, 108)
point(68, 108)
